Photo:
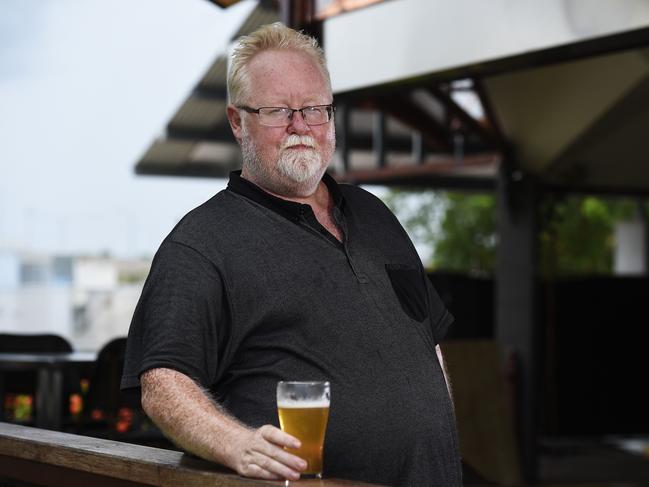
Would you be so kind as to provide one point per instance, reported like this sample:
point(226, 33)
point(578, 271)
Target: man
point(286, 275)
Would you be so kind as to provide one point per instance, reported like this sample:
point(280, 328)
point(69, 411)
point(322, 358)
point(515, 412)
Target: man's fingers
point(256, 464)
point(270, 445)
point(274, 467)
point(264, 455)
point(282, 456)
point(255, 471)
point(277, 436)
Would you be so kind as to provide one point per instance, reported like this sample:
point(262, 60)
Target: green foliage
point(457, 231)
point(467, 238)
point(576, 234)
point(420, 214)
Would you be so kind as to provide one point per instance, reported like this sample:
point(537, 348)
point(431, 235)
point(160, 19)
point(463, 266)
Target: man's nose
point(297, 124)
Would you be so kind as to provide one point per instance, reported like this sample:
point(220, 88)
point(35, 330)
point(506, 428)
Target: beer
point(303, 409)
point(308, 423)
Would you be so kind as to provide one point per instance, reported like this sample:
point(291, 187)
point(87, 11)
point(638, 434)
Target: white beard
point(300, 166)
point(295, 173)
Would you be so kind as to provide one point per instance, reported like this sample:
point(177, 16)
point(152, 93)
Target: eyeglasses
point(282, 116)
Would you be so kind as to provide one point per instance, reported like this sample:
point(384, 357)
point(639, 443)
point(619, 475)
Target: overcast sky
point(85, 86)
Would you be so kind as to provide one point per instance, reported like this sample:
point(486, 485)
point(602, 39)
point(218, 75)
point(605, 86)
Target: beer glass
point(303, 409)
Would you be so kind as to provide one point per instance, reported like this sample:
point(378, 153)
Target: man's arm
point(442, 364)
point(188, 416)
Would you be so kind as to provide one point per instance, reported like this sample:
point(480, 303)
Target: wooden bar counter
point(49, 458)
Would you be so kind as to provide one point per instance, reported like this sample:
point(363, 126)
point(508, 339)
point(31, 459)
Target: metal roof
point(169, 157)
point(198, 140)
point(214, 81)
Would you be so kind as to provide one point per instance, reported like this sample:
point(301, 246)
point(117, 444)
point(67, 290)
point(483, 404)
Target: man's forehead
point(280, 72)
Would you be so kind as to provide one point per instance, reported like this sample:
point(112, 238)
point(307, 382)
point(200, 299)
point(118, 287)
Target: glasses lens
point(274, 117)
point(316, 115)
point(281, 117)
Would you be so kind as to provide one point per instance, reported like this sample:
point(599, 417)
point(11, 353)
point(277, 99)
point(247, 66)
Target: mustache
point(294, 139)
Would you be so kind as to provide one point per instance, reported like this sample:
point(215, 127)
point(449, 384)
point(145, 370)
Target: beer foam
point(305, 404)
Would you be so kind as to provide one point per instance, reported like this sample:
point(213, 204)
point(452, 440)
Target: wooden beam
point(493, 122)
point(434, 182)
point(29, 472)
point(51, 458)
point(444, 172)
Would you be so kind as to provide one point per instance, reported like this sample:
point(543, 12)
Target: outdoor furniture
point(107, 411)
point(43, 343)
point(50, 370)
point(110, 413)
point(103, 390)
point(23, 382)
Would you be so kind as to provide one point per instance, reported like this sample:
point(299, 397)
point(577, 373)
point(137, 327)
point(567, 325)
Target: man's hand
point(260, 453)
point(193, 420)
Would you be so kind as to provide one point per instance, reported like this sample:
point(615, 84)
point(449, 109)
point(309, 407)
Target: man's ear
point(234, 117)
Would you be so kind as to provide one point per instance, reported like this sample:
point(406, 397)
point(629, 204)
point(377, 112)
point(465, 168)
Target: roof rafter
point(442, 169)
point(404, 109)
point(484, 132)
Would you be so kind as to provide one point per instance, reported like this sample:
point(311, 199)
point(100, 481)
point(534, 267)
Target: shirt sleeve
point(440, 317)
point(177, 319)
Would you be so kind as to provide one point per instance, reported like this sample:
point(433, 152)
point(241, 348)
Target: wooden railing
point(49, 458)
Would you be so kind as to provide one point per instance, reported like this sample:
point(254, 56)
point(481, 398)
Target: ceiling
point(581, 124)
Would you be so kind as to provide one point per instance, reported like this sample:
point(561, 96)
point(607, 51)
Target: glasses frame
point(330, 108)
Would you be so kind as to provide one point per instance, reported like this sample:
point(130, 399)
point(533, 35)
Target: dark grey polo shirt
point(249, 289)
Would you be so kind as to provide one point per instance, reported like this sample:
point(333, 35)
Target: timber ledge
point(50, 458)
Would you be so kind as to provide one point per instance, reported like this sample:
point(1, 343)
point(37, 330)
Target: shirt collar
point(290, 209)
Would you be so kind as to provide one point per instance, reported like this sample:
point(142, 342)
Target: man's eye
point(276, 111)
point(314, 110)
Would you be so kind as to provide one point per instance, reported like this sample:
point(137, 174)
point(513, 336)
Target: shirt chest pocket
point(408, 285)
